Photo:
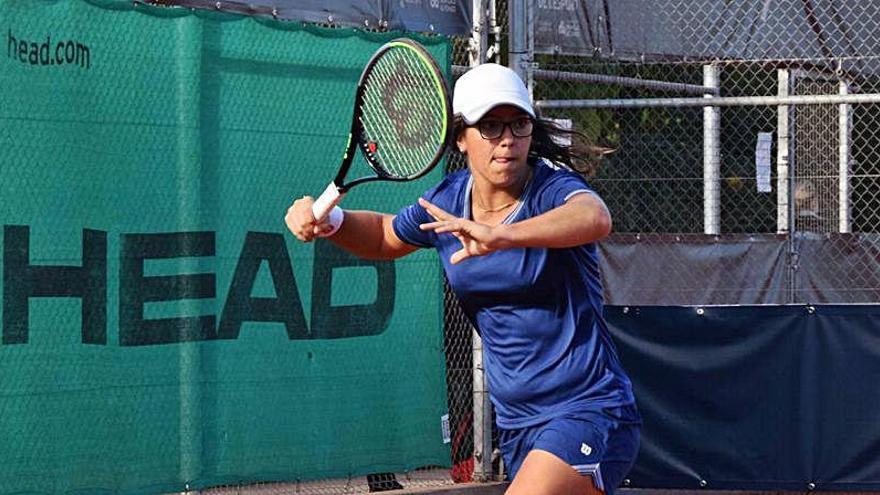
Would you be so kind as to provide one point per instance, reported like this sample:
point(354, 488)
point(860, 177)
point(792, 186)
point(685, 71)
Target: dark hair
point(581, 155)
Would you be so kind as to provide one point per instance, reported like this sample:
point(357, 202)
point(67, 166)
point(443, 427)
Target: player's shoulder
point(547, 173)
point(449, 187)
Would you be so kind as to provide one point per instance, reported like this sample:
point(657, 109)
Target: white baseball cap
point(485, 87)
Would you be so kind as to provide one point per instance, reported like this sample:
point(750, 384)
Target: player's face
point(499, 160)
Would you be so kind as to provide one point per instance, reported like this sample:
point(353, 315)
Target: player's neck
point(480, 205)
point(489, 198)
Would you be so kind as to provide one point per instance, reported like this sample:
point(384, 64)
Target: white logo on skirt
point(586, 449)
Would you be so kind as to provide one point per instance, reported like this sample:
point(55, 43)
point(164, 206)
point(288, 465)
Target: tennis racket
point(401, 123)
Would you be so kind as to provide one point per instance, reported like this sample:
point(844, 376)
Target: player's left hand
point(476, 239)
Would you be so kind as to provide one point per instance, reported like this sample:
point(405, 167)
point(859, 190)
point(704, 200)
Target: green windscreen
point(160, 327)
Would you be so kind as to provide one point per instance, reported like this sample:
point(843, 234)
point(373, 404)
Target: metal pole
point(494, 50)
point(189, 59)
point(718, 101)
point(517, 19)
point(480, 34)
point(786, 160)
point(629, 82)
point(529, 58)
point(481, 404)
point(845, 130)
point(711, 155)
point(482, 416)
point(783, 203)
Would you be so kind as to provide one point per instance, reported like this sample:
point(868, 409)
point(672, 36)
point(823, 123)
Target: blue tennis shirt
point(547, 349)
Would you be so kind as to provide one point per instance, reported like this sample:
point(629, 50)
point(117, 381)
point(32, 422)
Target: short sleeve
point(406, 223)
point(406, 226)
point(559, 187)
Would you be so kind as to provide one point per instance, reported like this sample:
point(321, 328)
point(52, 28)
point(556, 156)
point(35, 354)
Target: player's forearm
point(368, 234)
point(580, 221)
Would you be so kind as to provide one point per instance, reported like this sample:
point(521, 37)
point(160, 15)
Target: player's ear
point(461, 143)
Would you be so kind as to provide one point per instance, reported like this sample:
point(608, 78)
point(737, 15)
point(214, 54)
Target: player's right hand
point(301, 221)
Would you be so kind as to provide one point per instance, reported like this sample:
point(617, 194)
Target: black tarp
point(449, 17)
point(694, 269)
point(706, 29)
point(754, 397)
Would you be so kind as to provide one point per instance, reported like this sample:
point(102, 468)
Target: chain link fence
point(802, 172)
point(795, 188)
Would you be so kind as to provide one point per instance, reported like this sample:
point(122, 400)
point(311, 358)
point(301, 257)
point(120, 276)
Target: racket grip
point(326, 201)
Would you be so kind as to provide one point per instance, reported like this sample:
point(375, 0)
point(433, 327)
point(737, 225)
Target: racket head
point(403, 113)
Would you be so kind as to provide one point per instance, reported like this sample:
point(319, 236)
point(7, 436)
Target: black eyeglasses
point(493, 129)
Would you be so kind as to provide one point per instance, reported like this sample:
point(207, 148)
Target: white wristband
point(334, 218)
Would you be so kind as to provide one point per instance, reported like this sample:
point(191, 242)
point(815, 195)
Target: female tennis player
point(516, 234)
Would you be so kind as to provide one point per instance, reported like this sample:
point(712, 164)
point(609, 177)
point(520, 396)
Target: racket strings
point(403, 136)
point(403, 114)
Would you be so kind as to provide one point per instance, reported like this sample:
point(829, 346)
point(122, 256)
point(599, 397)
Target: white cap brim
point(496, 99)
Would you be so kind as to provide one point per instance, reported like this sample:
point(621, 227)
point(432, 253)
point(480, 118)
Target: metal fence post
point(482, 416)
point(711, 155)
point(482, 408)
point(785, 160)
point(783, 147)
point(845, 168)
point(479, 35)
point(518, 57)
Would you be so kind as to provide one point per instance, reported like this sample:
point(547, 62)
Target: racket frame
point(336, 190)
